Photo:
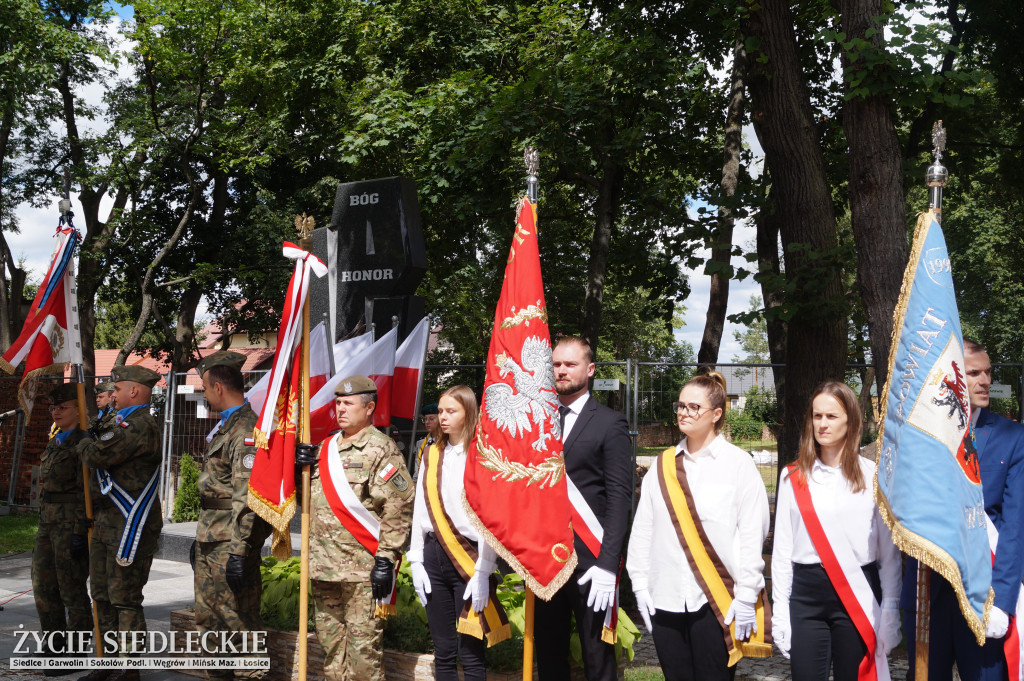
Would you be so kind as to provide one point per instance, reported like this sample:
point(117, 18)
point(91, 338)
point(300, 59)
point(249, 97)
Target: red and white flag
point(50, 338)
point(272, 481)
point(376, 362)
point(409, 361)
point(347, 349)
point(516, 492)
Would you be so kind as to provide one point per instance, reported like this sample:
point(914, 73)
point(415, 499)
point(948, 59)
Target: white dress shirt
point(574, 411)
point(732, 505)
point(452, 485)
point(867, 533)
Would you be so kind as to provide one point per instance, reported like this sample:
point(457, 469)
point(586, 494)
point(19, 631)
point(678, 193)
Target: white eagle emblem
point(532, 399)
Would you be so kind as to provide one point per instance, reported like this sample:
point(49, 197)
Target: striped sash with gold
point(492, 623)
point(714, 580)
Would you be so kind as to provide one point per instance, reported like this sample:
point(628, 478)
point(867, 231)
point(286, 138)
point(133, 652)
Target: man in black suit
point(599, 463)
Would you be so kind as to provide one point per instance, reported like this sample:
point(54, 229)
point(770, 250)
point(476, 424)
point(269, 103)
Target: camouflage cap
point(65, 392)
point(355, 385)
point(105, 387)
point(221, 358)
point(136, 374)
point(429, 409)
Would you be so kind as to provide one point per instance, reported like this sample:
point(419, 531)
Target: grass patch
point(18, 532)
point(644, 673)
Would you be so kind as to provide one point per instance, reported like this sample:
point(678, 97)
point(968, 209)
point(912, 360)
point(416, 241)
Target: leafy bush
point(761, 405)
point(741, 426)
point(186, 501)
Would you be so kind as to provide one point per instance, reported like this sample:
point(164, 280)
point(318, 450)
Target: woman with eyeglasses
point(60, 558)
point(835, 570)
point(695, 549)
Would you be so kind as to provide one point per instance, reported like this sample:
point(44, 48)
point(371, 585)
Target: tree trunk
point(876, 193)
point(721, 250)
point(608, 197)
point(816, 329)
point(769, 274)
point(185, 330)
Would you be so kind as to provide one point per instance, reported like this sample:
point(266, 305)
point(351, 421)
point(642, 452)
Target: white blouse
point(867, 533)
point(452, 484)
point(732, 505)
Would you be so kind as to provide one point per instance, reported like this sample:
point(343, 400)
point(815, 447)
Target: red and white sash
point(588, 528)
point(1013, 644)
point(350, 512)
point(844, 571)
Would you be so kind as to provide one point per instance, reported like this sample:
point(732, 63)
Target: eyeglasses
point(60, 407)
point(691, 408)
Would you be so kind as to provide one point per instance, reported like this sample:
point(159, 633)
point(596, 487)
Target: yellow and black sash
point(492, 623)
point(714, 580)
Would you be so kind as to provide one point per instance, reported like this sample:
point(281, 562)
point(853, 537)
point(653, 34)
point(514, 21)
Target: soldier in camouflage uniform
point(229, 535)
point(106, 406)
point(346, 577)
point(60, 558)
point(128, 449)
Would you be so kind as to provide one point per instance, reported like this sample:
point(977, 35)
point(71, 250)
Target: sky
point(35, 242)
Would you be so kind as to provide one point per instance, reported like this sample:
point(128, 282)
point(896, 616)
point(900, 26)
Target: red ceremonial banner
point(516, 492)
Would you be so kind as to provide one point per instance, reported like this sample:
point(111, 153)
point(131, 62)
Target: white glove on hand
point(998, 622)
point(746, 619)
point(602, 588)
point(420, 581)
point(890, 635)
point(781, 637)
point(478, 588)
point(646, 607)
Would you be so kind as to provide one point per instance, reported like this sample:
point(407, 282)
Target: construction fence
point(643, 391)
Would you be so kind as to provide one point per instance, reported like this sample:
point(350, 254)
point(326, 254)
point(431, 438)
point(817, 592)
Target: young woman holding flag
point(835, 569)
point(451, 565)
point(695, 549)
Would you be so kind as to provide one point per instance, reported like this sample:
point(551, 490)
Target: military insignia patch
point(125, 424)
point(348, 386)
point(250, 442)
point(107, 436)
point(248, 460)
point(388, 471)
point(399, 482)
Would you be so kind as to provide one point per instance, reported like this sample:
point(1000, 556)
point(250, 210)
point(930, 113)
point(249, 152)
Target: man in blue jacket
point(1000, 445)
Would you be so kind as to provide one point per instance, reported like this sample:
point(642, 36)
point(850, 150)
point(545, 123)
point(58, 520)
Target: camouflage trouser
point(352, 638)
point(58, 581)
point(117, 589)
point(220, 609)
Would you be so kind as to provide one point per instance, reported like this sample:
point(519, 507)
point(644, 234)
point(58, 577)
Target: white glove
point(479, 589)
point(646, 607)
point(890, 635)
point(781, 637)
point(420, 581)
point(746, 619)
point(602, 588)
point(998, 623)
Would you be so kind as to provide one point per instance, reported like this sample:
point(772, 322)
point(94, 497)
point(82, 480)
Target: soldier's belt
point(62, 497)
point(210, 504)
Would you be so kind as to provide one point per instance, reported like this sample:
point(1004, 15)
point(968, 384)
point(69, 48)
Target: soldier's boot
point(98, 675)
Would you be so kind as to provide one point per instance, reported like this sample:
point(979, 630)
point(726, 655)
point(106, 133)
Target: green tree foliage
point(187, 500)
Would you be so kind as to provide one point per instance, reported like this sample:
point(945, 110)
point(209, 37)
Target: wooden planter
point(283, 647)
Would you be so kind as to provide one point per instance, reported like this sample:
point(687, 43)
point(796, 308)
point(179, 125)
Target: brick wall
point(36, 436)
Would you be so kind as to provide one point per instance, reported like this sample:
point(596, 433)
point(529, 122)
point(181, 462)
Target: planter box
point(284, 657)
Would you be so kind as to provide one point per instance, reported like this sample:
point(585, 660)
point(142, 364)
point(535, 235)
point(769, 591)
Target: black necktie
point(563, 411)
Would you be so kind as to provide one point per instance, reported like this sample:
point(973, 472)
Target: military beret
point(136, 374)
point(355, 385)
point(105, 387)
point(65, 392)
point(221, 358)
point(429, 409)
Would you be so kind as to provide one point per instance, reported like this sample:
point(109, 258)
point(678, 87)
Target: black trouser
point(822, 631)
point(444, 603)
point(691, 646)
point(552, 630)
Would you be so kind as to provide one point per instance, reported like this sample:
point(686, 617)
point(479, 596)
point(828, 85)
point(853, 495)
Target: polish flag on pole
point(376, 362)
point(409, 361)
point(346, 349)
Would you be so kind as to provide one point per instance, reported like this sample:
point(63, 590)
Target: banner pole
point(528, 637)
point(306, 244)
point(83, 422)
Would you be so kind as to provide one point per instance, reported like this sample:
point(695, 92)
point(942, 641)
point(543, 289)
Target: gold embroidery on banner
point(555, 555)
point(525, 315)
point(548, 472)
